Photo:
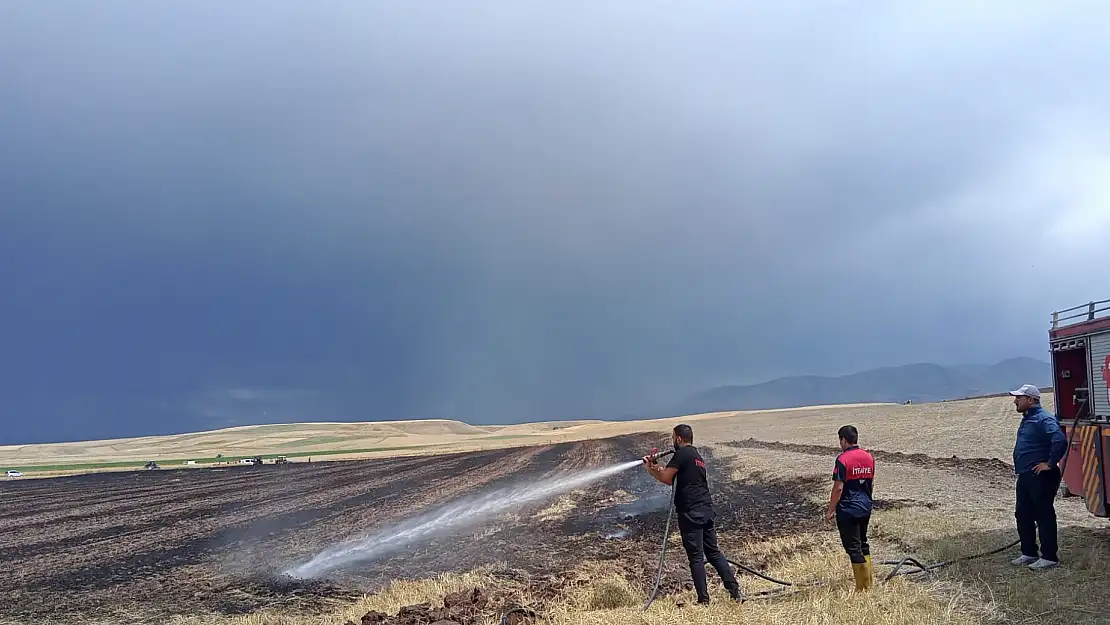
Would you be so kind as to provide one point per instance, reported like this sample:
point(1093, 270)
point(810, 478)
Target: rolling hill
point(917, 383)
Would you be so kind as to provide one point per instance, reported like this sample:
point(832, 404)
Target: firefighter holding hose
point(694, 507)
point(850, 502)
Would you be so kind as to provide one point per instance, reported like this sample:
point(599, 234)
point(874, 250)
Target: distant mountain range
point(917, 383)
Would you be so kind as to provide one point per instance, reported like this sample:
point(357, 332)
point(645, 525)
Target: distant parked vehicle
point(151, 466)
point(14, 474)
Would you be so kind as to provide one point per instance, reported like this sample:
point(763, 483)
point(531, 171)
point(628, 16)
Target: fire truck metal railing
point(1081, 314)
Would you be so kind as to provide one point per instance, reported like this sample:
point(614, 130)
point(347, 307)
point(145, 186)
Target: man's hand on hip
point(1043, 466)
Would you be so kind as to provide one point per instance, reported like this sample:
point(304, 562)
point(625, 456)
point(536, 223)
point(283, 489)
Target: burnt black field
point(215, 540)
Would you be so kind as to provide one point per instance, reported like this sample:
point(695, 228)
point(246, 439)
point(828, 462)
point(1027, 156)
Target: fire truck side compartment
point(1100, 402)
point(1069, 370)
point(1100, 368)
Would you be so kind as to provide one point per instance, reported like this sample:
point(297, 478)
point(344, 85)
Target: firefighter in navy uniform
point(850, 502)
point(694, 506)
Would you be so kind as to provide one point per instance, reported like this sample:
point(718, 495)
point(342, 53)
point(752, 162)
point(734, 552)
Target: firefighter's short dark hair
point(849, 433)
point(684, 432)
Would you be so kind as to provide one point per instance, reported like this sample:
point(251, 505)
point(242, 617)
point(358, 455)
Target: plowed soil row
point(196, 541)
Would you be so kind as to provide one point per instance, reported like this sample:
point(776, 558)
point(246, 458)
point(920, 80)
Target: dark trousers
point(1035, 513)
point(700, 542)
point(853, 535)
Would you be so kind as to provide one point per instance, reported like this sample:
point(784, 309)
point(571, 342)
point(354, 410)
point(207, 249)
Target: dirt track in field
point(213, 540)
point(987, 468)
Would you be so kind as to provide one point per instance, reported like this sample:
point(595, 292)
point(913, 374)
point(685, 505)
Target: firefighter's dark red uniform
point(856, 469)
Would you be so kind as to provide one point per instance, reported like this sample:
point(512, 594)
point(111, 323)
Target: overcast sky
point(500, 210)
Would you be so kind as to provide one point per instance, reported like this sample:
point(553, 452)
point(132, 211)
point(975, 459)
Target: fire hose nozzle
point(655, 455)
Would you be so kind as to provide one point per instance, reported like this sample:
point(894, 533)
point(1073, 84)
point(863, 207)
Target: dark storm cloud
point(492, 212)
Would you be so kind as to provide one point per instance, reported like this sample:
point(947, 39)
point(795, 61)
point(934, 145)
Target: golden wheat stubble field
point(204, 546)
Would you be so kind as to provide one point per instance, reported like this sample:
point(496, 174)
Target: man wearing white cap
point(1038, 450)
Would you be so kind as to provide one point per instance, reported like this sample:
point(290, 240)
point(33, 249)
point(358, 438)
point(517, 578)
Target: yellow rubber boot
point(870, 577)
point(859, 571)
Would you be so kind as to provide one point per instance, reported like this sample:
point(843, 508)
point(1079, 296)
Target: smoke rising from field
point(453, 517)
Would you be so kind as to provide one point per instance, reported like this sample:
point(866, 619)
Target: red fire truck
point(1080, 341)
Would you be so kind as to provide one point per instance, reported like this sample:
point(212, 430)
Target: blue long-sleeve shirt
point(1039, 439)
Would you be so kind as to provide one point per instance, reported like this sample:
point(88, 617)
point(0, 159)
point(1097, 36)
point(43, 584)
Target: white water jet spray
point(450, 518)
